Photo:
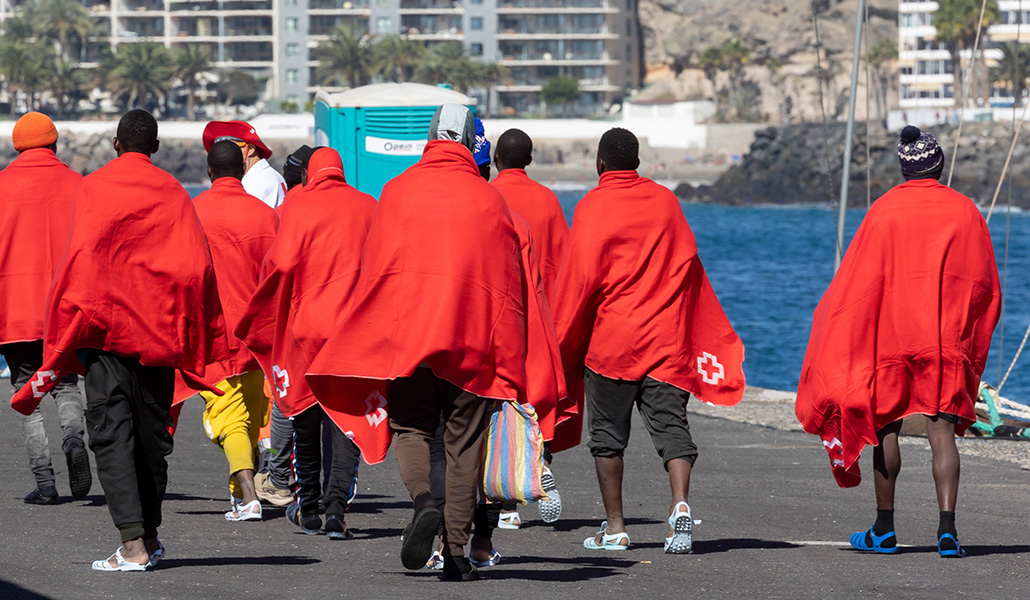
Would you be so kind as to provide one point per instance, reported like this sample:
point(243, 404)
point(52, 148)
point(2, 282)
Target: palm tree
point(68, 82)
point(448, 62)
point(62, 21)
point(39, 71)
point(1013, 69)
point(15, 61)
point(189, 61)
point(138, 74)
point(734, 56)
point(344, 59)
point(491, 74)
point(881, 59)
point(394, 57)
point(956, 22)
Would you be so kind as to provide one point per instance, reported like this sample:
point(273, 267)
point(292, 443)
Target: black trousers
point(307, 452)
point(127, 416)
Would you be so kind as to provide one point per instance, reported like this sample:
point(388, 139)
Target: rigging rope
point(822, 109)
point(965, 90)
point(868, 87)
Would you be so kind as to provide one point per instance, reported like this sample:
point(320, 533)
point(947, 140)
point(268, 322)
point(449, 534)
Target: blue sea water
point(770, 265)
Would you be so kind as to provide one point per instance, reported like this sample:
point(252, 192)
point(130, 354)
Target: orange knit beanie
point(33, 130)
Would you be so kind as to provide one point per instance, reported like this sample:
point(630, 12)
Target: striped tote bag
point(512, 455)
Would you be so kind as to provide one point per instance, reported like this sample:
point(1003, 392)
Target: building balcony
point(339, 12)
point(568, 61)
point(337, 5)
point(440, 35)
point(430, 5)
point(547, 35)
point(926, 80)
point(524, 7)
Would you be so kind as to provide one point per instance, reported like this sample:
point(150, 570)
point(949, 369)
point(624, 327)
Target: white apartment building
point(926, 74)
point(596, 41)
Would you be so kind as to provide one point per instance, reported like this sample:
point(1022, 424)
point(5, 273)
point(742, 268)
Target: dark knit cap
point(919, 152)
point(295, 164)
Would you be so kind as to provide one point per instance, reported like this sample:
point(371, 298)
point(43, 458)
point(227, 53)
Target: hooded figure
point(904, 329)
point(307, 278)
point(436, 325)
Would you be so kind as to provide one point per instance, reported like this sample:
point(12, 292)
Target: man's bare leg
point(245, 480)
point(609, 478)
point(886, 465)
point(679, 480)
point(946, 469)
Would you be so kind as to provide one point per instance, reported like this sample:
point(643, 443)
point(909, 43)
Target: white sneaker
point(681, 541)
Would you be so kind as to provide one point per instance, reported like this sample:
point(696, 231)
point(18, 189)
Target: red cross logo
point(41, 384)
point(375, 411)
point(281, 379)
point(710, 368)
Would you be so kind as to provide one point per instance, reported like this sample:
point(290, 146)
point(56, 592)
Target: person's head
point(296, 163)
point(514, 150)
point(453, 122)
point(242, 134)
point(324, 163)
point(225, 159)
point(618, 150)
point(481, 151)
point(137, 132)
point(920, 155)
point(34, 130)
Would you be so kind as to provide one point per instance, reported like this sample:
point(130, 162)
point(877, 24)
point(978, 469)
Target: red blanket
point(240, 229)
point(545, 379)
point(633, 300)
point(135, 280)
point(35, 218)
point(540, 207)
point(905, 326)
point(306, 278)
point(441, 285)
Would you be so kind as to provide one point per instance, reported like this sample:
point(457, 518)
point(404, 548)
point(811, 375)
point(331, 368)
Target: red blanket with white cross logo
point(633, 300)
point(135, 280)
point(441, 285)
point(906, 324)
point(307, 277)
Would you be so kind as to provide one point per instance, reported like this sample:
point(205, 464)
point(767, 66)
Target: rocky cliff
point(781, 38)
point(803, 164)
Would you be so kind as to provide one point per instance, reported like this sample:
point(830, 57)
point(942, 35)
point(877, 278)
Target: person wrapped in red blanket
point(635, 308)
point(240, 229)
point(543, 230)
point(903, 329)
point(308, 277)
point(35, 218)
point(436, 324)
point(133, 298)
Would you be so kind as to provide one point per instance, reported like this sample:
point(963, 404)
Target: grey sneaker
point(550, 509)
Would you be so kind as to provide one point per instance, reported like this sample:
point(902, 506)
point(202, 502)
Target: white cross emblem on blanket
point(710, 368)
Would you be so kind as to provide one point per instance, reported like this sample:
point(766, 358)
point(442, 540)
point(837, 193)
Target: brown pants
point(416, 405)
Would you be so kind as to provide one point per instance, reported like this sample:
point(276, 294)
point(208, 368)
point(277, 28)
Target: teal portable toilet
point(380, 129)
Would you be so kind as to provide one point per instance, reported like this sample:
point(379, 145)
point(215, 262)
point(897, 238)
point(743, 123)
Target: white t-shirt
point(265, 183)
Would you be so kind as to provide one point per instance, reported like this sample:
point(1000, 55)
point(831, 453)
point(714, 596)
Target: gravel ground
point(775, 409)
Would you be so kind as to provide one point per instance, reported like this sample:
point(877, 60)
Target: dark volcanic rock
point(803, 164)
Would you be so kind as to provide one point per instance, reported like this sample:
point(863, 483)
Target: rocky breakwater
point(185, 159)
point(802, 164)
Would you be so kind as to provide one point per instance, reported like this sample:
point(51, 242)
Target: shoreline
point(774, 409)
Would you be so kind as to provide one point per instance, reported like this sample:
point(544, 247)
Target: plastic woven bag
point(513, 459)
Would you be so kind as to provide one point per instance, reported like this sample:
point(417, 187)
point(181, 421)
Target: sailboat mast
point(846, 175)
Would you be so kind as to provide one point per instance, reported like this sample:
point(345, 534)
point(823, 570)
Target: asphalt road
point(774, 526)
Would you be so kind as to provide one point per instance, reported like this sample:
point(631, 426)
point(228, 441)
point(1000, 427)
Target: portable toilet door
point(379, 130)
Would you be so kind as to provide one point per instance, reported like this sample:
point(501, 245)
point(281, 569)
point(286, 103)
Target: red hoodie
point(307, 277)
point(906, 324)
point(240, 229)
point(634, 301)
point(441, 285)
point(35, 218)
point(540, 207)
point(135, 280)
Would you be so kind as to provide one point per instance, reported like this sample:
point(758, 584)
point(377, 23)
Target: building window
point(292, 2)
point(292, 75)
point(476, 23)
point(292, 24)
point(383, 25)
point(629, 28)
point(476, 49)
point(292, 50)
point(475, 1)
